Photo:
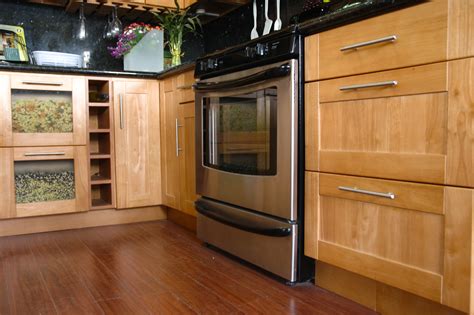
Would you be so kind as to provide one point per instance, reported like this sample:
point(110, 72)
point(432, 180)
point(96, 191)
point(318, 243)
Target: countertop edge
point(99, 73)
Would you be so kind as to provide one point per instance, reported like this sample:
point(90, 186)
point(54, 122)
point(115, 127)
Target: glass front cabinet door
point(41, 110)
point(43, 180)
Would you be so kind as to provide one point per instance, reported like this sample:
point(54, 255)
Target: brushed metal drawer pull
point(177, 137)
point(391, 38)
point(122, 125)
point(41, 83)
point(368, 85)
point(44, 153)
point(388, 195)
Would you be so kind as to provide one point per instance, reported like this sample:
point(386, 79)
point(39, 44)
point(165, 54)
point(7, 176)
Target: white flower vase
point(147, 55)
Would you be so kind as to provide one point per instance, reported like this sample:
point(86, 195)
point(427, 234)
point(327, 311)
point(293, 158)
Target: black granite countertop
point(357, 12)
point(19, 67)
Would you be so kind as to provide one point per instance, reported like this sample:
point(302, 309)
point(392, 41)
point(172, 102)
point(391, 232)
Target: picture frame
point(13, 44)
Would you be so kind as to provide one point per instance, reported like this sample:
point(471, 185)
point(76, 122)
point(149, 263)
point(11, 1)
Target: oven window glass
point(239, 133)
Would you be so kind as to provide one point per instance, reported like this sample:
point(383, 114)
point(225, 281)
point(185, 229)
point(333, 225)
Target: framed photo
point(12, 43)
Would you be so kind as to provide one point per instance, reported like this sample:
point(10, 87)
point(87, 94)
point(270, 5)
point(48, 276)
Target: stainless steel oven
point(247, 127)
point(247, 141)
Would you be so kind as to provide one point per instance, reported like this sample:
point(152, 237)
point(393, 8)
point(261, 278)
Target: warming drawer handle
point(390, 38)
point(44, 153)
point(234, 221)
point(368, 85)
point(388, 195)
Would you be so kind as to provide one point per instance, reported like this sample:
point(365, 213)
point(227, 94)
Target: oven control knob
point(212, 63)
point(262, 49)
point(203, 65)
point(250, 51)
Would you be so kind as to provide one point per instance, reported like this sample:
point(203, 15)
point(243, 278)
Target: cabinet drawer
point(184, 87)
point(397, 233)
point(413, 36)
point(44, 180)
point(420, 133)
point(415, 80)
point(42, 110)
point(397, 138)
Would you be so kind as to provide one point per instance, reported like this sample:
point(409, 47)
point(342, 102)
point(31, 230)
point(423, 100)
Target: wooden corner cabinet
point(178, 142)
point(137, 142)
point(389, 198)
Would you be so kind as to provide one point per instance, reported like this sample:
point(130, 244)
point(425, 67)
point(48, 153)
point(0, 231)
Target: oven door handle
point(277, 72)
point(243, 220)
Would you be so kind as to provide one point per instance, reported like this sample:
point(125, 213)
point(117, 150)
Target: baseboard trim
point(19, 226)
point(183, 219)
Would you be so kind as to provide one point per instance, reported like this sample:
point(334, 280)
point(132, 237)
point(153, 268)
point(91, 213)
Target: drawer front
point(416, 80)
point(184, 86)
point(41, 82)
point(413, 36)
point(397, 241)
point(43, 110)
point(401, 137)
point(48, 180)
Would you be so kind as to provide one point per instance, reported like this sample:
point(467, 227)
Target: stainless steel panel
point(275, 195)
point(274, 254)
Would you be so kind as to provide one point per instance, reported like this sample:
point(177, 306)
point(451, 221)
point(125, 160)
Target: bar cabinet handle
point(368, 85)
point(391, 38)
point(44, 153)
point(388, 195)
point(41, 83)
point(177, 137)
point(122, 125)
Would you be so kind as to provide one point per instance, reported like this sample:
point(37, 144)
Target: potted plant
point(138, 45)
point(176, 23)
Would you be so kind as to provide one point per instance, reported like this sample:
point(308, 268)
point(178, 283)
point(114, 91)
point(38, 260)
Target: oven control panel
point(254, 53)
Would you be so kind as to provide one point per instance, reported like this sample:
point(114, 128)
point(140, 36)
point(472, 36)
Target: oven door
point(246, 139)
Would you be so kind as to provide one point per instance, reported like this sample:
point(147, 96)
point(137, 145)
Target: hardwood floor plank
point(123, 305)
point(144, 268)
point(27, 293)
point(166, 303)
point(67, 289)
point(101, 282)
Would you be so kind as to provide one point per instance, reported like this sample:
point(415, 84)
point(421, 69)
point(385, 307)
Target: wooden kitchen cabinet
point(169, 135)
point(418, 240)
point(434, 31)
point(187, 157)
point(178, 139)
point(417, 130)
point(43, 180)
point(137, 143)
point(42, 110)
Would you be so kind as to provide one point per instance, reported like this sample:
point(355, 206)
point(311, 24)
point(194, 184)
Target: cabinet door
point(137, 143)
point(43, 180)
point(187, 157)
point(41, 110)
point(169, 136)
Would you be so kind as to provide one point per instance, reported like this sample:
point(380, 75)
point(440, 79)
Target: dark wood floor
point(146, 268)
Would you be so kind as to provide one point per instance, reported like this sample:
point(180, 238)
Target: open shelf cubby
point(99, 117)
point(99, 91)
point(101, 145)
point(102, 196)
point(100, 171)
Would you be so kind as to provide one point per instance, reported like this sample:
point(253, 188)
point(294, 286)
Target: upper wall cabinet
point(435, 31)
point(42, 110)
